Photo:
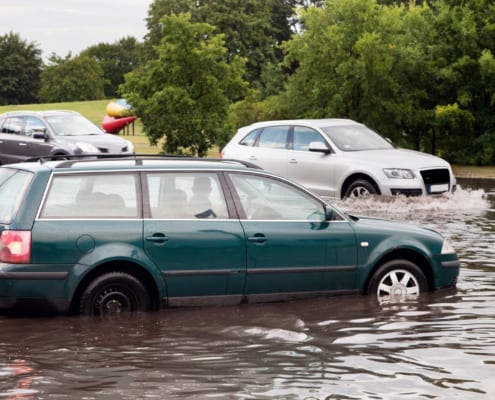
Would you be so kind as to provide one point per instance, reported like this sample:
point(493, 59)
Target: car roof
point(136, 163)
point(44, 113)
point(317, 123)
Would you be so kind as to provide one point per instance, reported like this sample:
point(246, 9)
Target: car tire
point(360, 188)
point(114, 293)
point(396, 281)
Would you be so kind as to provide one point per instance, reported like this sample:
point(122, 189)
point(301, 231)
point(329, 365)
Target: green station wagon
point(99, 237)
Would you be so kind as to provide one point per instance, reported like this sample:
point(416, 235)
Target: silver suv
point(30, 134)
point(340, 158)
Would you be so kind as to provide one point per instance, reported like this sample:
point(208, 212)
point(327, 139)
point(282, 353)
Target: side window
point(250, 138)
point(274, 137)
point(13, 125)
point(186, 196)
point(303, 136)
point(91, 196)
point(264, 198)
point(33, 125)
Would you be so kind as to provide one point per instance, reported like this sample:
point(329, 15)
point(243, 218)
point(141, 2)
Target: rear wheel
point(114, 293)
point(360, 188)
point(396, 281)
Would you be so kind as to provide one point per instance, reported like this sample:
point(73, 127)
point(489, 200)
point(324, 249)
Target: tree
point(253, 29)
point(116, 60)
point(184, 94)
point(20, 68)
point(77, 78)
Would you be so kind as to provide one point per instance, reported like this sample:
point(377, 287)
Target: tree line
point(419, 72)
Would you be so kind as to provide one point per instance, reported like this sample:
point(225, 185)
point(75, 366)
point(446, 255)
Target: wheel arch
point(126, 266)
point(354, 177)
point(403, 254)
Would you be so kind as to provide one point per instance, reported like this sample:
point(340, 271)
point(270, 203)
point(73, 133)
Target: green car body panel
point(201, 261)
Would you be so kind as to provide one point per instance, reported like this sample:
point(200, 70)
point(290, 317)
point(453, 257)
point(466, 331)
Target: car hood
point(365, 226)
point(105, 141)
point(398, 158)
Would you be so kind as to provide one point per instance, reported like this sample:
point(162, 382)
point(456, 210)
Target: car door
point(266, 147)
point(32, 143)
point(190, 236)
point(315, 170)
point(291, 250)
point(10, 136)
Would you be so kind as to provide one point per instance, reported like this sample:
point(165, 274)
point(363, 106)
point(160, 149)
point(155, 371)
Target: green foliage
point(116, 60)
point(20, 68)
point(184, 94)
point(252, 29)
point(71, 79)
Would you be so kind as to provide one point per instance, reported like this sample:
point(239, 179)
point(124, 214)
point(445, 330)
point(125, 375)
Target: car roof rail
point(70, 160)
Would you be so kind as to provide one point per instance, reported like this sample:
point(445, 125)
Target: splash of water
point(463, 200)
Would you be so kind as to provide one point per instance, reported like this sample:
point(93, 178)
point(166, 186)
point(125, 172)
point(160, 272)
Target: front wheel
point(396, 281)
point(114, 293)
point(360, 188)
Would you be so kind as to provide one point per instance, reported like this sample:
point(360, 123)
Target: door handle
point(22, 144)
point(293, 161)
point(252, 158)
point(157, 238)
point(258, 238)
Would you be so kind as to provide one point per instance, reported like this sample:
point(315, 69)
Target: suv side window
point(270, 199)
point(303, 136)
point(250, 138)
point(184, 195)
point(92, 196)
point(274, 137)
point(13, 125)
point(34, 125)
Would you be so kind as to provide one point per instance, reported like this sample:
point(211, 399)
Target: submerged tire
point(360, 188)
point(396, 281)
point(114, 293)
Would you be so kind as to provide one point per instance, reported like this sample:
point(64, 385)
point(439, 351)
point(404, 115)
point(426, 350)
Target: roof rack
point(70, 160)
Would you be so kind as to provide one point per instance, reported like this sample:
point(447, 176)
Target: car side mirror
point(318, 147)
point(39, 133)
point(328, 213)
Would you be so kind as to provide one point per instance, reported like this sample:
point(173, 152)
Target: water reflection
point(441, 346)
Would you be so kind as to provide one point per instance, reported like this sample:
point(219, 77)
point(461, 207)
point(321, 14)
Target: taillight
point(15, 247)
point(221, 154)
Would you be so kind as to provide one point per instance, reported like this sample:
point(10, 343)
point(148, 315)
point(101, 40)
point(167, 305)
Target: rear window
point(13, 185)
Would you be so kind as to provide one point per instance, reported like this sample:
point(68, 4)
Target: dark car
point(29, 134)
point(107, 236)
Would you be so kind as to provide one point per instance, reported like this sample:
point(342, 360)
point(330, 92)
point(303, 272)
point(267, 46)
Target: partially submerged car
point(30, 134)
point(107, 236)
point(340, 158)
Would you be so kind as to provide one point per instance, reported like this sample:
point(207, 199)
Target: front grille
point(407, 192)
point(436, 180)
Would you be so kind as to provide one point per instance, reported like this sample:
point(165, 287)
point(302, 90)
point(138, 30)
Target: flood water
point(441, 346)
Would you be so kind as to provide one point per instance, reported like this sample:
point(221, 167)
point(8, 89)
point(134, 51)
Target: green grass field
point(95, 111)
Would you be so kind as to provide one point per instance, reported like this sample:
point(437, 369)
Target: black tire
point(360, 188)
point(114, 293)
point(396, 281)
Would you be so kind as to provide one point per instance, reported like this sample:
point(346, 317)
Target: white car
point(339, 158)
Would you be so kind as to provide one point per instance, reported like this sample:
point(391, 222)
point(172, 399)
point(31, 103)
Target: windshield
point(73, 125)
point(13, 183)
point(356, 138)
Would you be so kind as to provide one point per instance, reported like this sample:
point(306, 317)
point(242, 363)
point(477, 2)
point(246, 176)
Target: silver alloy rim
point(398, 285)
point(359, 191)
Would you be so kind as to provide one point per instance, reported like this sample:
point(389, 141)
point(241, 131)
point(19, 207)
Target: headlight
point(447, 247)
point(87, 147)
point(398, 173)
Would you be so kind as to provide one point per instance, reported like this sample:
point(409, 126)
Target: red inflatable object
point(114, 125)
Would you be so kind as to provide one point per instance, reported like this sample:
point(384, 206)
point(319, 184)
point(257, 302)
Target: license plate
point(439, 188)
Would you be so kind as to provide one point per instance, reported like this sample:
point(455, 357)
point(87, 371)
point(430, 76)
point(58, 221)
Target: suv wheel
point(397, 280)
point(114, 293)
point(360, 188)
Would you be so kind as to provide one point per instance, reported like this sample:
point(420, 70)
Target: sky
point(63, 26)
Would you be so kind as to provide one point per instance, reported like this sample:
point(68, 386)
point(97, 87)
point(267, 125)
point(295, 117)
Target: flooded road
point(439, 347)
